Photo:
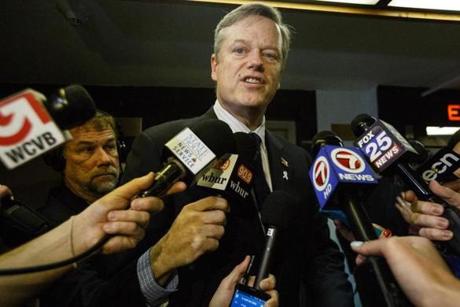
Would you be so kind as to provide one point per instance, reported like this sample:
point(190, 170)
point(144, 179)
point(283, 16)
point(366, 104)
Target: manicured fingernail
point(356, 244)
point(448, 234)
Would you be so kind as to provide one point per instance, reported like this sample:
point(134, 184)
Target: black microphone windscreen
point(360, 123)
point(324, 138)
point(279, 209)
point(71, 106)
point(422, 154)
point(216, 134)
point(453, 140)
point(246, 146)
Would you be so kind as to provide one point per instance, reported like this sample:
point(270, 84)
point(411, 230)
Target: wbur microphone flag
point(229, 175)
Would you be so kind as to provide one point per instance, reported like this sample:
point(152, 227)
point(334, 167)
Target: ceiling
point(168, 43)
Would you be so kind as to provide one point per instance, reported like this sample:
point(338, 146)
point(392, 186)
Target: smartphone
point(245, 296)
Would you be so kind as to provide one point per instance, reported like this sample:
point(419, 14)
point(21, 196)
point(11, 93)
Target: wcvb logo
point(348, 160)
point(18, 115)
point(26, 129)
point(321, 173)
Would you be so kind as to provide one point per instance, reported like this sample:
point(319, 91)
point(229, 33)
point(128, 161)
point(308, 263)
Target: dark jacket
point(307, 263)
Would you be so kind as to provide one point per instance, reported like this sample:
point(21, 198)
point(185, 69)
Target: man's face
point(248, 65)
point(92, 166)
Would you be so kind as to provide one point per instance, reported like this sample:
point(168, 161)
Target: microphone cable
point(49, 266)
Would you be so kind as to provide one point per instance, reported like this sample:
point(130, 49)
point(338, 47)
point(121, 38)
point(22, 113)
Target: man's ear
point(214, 67)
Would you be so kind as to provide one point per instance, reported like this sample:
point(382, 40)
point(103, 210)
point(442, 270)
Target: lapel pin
point(285, 175)
point(284, 162)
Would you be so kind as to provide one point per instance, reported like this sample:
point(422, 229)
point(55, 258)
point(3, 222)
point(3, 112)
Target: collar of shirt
point(237, 126)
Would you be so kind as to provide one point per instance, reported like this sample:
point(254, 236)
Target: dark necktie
point(261, 188)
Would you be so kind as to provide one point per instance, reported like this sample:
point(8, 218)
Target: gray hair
point(254, 9)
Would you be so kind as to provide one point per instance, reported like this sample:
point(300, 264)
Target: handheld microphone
point(441, 166)
point(337, 170)
point(385, 148)
point(277, 212)
point(30, 125)
point(191, 153)
point(25, 223)
point(246, 146)
point(70, 106)
point(423, 154)
point(232, 175)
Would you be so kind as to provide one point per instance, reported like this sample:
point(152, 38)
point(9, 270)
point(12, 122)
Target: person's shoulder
point(169, 129)
point(60, 205)
point(165, 127)
point(288, 146)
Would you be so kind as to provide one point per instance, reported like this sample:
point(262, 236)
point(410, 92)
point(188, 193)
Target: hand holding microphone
point(426, 218)
point(192, 152)
point(419, 269)
point(336, 174)
point(195, 231)
point(387, 150)
point(30, 125)
point(230, 284)
point(278, 211)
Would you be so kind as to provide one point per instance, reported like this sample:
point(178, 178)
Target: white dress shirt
point(237, 126)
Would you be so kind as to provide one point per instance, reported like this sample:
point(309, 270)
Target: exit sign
point(453, 112)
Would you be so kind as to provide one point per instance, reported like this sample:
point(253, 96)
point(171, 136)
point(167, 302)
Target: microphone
point(23, 223)
point(441, 166)
point(423, 154)
point(191, 153)
point(70, 106)
point(385, 148)
point(30, 125)
point(233, 174)
point(337, 170)
point(277, 212)
point(246, 146)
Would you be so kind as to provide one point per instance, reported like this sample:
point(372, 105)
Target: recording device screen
point(248, 297)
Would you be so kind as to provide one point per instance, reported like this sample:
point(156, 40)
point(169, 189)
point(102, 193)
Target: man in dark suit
point(199, 236)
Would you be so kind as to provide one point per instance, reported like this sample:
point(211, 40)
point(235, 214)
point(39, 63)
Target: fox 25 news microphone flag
point(383, 145)
point(26, 129)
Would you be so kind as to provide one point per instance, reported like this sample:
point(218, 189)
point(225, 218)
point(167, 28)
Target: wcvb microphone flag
point(26, 129)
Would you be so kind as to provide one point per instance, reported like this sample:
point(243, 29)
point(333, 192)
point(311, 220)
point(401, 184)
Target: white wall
point(340, 106)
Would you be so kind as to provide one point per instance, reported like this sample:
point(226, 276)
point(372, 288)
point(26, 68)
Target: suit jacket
point(307, 264)
point(61, 204)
